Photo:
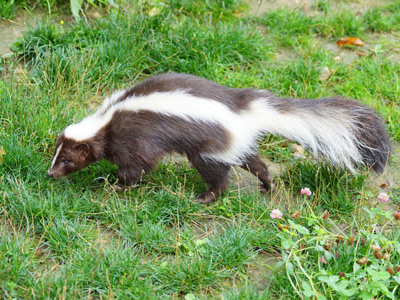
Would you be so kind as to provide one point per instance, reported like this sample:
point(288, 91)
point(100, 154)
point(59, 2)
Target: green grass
point(287, 24)
point(76, 238)
point(335, 190)
point(9, 9)
point(95, 54)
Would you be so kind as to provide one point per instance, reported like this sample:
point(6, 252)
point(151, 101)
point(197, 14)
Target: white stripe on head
point(55, 155)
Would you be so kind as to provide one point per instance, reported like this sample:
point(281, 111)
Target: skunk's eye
point(65, 162)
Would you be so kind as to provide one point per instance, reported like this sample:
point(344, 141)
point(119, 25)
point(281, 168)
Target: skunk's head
point(70, 156)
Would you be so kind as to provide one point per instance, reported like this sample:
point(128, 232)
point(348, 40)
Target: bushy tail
point(345, 132)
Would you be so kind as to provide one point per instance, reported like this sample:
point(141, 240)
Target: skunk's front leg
point(129, 175)
point(127, 178)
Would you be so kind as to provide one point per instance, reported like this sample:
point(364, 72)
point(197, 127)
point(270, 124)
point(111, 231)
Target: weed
point(323, 264)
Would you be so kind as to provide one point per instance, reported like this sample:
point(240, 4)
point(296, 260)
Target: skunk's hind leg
point(213, 173)
point(255, 165)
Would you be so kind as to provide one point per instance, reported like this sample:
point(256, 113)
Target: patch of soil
point(10, 30)
point(258, 7)
point(384, 44)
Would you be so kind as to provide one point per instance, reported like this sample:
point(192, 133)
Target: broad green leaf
point(285, 244)
point(377, 287)
point(289, 267)
point(299, 228)
point(342, 288)
point(329, 279)
point(321, 297)
point(328, 255)
point(201, 242)
point(356, 267)
point(390, 295)
point(307, 290)
point(190, 297)
point(76, 6)
point(366, 295)
point(383, 275)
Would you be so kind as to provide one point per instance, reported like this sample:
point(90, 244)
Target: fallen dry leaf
point(2, 153)
point(325, 74)
point(344, 41)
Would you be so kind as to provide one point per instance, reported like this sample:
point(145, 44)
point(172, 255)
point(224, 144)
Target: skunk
point(216, 127)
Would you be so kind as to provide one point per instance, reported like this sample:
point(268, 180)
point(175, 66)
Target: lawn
point(78, 238)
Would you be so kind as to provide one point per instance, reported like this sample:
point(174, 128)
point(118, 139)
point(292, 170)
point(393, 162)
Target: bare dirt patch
point(259, 7)
point(10, 30)
point(375, 44)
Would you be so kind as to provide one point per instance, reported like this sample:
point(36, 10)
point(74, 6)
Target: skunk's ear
point(83, 148)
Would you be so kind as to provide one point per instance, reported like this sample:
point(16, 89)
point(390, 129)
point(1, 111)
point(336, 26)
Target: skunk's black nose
point(50, 174)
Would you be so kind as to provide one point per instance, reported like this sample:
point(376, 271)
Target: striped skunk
point(216, 127)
